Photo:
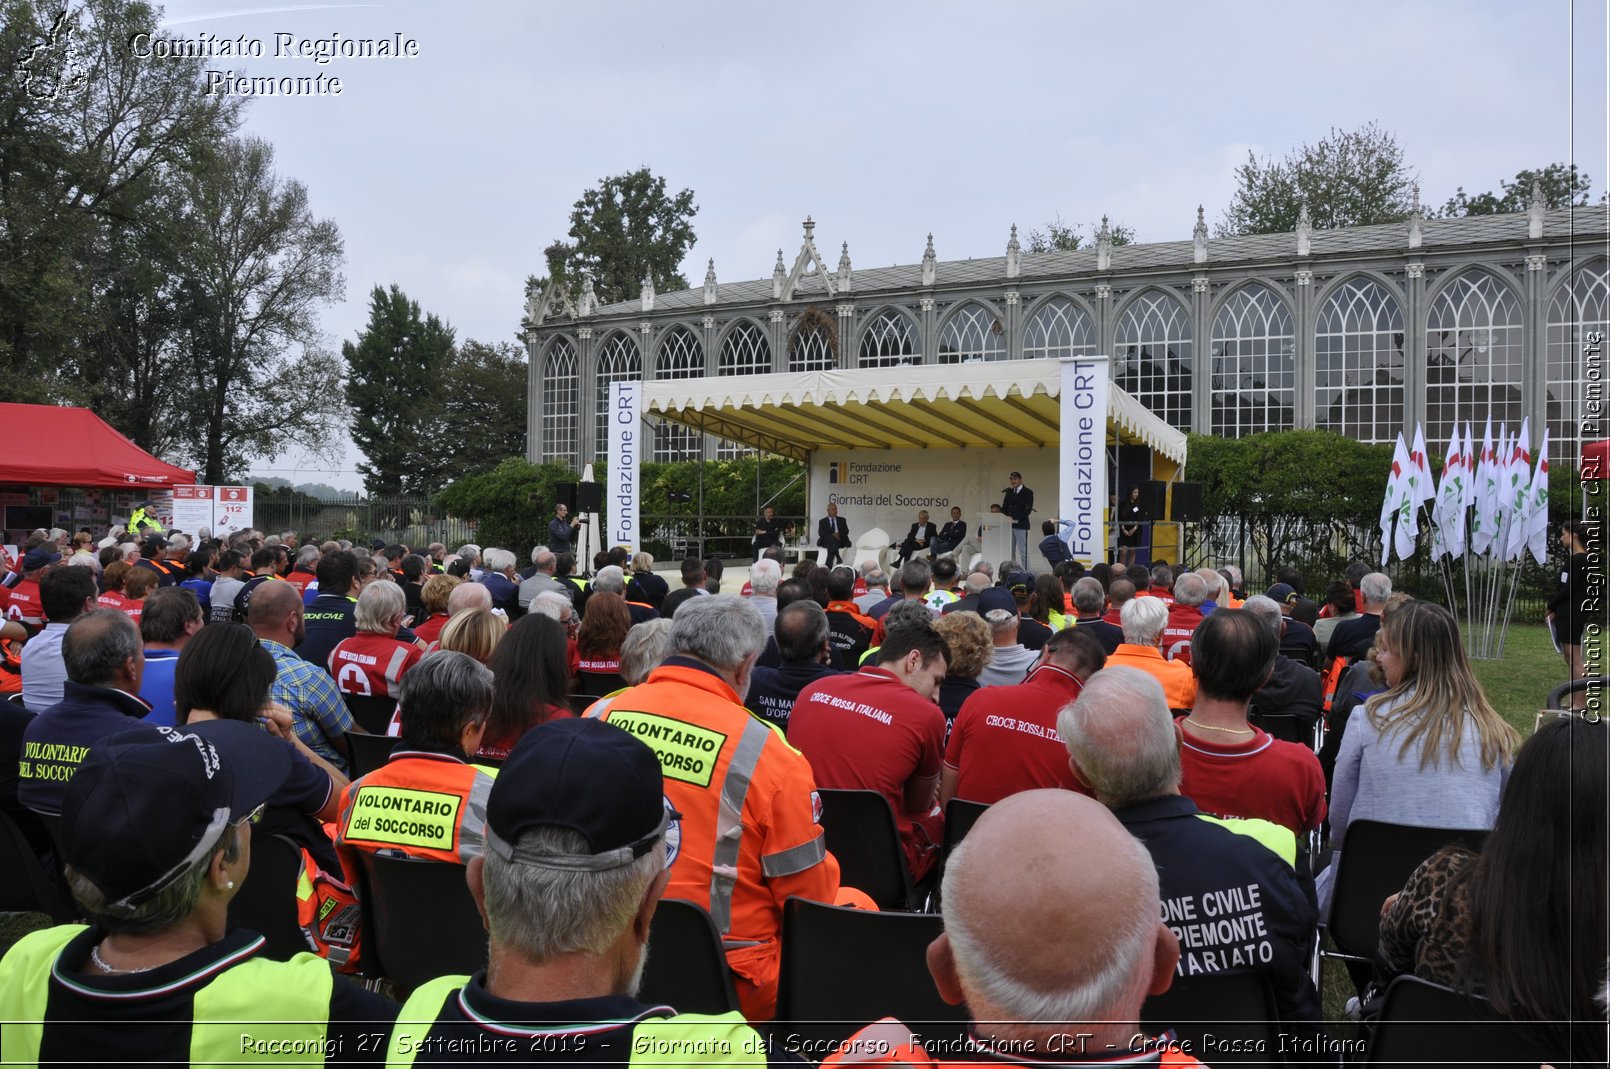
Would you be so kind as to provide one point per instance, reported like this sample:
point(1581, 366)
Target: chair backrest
point(862, 835)
point(686, 966)
point(369, 752)
point(419, 921)
point(1237, 1007)
point(266, 901)
point(872, 538)
point(960, 816)
point(843, 968)
point(580, 703)
point(598, 684)
point(1377, 860)
point(371, 711)
point(1422, 1023)
point(25, 887)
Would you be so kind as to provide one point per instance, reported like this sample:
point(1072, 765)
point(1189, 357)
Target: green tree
point(393, 389)
point(1562, 185)
point(85, 128)
point(1349, 178)
point(509, 505)
point(627, 228)
point(1058, 236)
point(482, 413)
point(1307, 498)
point(257, 267)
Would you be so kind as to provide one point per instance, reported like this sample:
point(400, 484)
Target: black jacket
point(833, 532)
point(1292, 690)
point(772, 691)
point(1018, 506)
point(1230, 898)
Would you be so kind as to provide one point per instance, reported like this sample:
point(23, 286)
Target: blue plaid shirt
point(309, 693)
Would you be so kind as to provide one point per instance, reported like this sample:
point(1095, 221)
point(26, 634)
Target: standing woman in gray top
point(1429, 751)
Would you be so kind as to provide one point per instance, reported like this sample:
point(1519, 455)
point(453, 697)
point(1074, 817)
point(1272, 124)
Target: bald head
point(271, 602)
point(467, 596)
point(1051, 921)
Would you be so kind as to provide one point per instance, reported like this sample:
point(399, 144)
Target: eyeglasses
point(254, 817)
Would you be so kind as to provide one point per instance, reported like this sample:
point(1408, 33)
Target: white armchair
point(872, 545)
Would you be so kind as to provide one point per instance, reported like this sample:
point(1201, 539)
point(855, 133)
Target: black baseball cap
point(1015, 475)
point(149, 803)
point(591, 777)
point(1021, 583)
point(39, 557)
point(1283, 594)
point(996, 597)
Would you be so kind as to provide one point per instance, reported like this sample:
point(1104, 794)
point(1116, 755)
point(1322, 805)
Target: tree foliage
point(625, 229)
point(510, 504)
point(1562, 185)
point(393, 389)
point(482, 405)
point(1058, 236)
point(86, 131)
point(1349, 178)
point(1305, 496)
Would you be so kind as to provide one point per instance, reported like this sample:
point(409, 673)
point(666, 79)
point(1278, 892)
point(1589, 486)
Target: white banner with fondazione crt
point(621, 526)
point(1082, 485)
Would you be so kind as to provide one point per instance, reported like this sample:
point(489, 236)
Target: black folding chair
point(1422, 1023)
point(862, 834)
point(419, 921)
point(371, 711)
point(266, 901)
point(1377, 859)
point(844, 968)
point(1237, 1008)
point(686, 967)
point(598, 684)
point(369, 752)
point(25, 886)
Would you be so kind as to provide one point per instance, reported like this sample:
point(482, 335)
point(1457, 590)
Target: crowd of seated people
point(582, 748)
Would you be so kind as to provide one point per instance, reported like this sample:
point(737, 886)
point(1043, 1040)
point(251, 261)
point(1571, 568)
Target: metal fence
point(728, 537)
point(1321, 554)
point(409, 520)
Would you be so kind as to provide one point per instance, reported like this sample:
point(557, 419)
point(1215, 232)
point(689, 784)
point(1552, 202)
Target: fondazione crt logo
point(844, 473)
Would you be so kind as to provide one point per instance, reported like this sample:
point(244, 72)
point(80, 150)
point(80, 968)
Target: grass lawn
point(1517, 684)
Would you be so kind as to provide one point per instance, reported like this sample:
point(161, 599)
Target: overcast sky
point(448, 173)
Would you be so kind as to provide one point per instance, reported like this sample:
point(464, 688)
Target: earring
point(229, 886)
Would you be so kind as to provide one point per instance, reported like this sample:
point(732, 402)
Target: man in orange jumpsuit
point(749, 837)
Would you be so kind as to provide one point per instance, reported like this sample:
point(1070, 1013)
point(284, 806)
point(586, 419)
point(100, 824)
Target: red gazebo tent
point(55, 446)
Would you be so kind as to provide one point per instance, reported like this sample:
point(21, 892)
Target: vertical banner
point(231, 510)
point(192, 508)
point(1082, 485)
point(625, 443)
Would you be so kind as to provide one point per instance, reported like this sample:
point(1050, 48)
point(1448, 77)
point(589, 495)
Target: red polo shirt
point(1005, 738)
point(24, 603)
point(867, 730)
point(1260, 777)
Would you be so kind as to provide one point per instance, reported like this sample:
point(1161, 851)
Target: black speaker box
point(565, 494)
point(1187, 503)
point(589, 496)
point(1153, 493)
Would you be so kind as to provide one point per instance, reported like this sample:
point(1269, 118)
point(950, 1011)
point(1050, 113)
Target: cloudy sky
point(449, 172)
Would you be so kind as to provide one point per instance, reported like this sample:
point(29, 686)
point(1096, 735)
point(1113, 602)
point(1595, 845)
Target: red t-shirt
point(1264, 778)
point(112, 600)
point(1182, 621)
point(133, 609)
point(430, 632)
point(867, 730)
point(604, 665)
point(23, 602)
point(1005, 739)
point(1112, 616)
point(371, 664)
point(300, 580)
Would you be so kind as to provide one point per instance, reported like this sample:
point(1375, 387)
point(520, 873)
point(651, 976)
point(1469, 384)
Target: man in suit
point(832, 534)
point(920, 539)
point(1018, 502)
point(953, 534)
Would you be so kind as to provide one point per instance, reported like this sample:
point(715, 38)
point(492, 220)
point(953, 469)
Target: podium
point(996, 542)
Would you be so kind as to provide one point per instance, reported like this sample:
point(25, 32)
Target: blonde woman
point(1429, 751)
point(476, 633)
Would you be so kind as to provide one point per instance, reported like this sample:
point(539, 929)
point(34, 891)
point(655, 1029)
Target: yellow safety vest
point(686, 1039)
point(137, 517)
point(288, 1003)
